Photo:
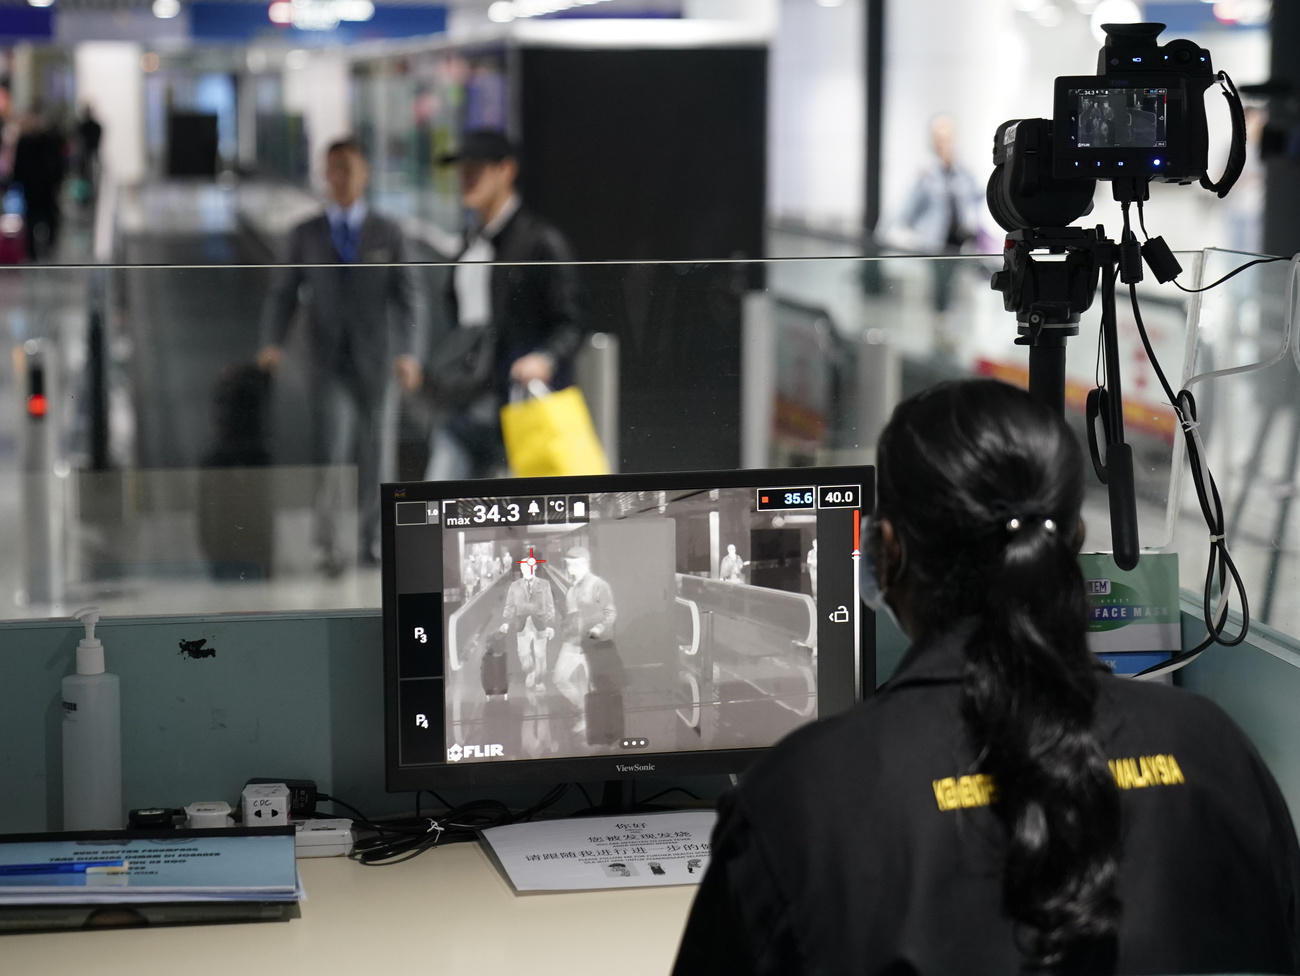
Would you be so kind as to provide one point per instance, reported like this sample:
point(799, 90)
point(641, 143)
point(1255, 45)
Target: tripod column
point(1047, 368)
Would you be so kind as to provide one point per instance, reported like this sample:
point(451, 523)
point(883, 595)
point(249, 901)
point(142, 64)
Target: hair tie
point(1014, 524)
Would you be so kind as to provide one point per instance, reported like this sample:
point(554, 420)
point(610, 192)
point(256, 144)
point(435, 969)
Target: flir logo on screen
point(457, 752)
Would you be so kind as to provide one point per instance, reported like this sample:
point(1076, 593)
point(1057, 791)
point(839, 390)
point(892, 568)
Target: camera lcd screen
point(619, 616)
point(1119, 118)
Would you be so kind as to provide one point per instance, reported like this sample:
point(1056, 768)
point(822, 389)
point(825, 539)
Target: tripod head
point(1050, 293)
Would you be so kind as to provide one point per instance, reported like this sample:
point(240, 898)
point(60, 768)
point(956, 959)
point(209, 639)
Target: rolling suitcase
point(604, 703)
point(492, 668)
point(604, 716)
point(240, 493)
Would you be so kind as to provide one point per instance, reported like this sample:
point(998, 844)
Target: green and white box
point(1132, 611)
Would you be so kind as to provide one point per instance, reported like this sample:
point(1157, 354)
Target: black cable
point(1214, 284)
point(1231, 274)
point(324, 797)
point(671, 789)
point(400, 840)
point(1220, 565)
point(436, 795)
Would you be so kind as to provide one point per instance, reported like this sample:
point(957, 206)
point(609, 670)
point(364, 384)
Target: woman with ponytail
point(1003, 804)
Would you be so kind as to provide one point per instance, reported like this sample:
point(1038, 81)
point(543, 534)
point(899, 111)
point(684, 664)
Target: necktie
point(345, 242)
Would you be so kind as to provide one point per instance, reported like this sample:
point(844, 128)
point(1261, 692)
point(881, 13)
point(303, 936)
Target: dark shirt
point(533, 308)
point(39, 165)
point(858, 847)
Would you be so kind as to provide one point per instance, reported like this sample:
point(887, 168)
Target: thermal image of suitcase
point(604, 717)
point(492, 669)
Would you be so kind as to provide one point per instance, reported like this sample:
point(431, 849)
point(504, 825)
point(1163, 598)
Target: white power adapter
point(208, 813)
point(265, 805)
point(327, 837)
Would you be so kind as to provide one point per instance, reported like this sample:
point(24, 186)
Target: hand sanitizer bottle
point(92, 738)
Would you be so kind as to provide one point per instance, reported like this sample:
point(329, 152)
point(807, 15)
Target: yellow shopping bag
point(551, 434)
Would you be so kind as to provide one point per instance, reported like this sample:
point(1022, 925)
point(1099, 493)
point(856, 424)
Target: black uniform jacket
point(862, 845)
point(534, 308)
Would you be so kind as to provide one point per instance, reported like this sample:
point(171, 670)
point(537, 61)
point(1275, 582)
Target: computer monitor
point(611, 627)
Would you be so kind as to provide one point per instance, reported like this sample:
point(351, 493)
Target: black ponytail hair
point(984, 485)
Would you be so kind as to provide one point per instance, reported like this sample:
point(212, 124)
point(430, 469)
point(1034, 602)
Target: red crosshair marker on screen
point(531, 560)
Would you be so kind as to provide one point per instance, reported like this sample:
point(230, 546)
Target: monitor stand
point(615, 798)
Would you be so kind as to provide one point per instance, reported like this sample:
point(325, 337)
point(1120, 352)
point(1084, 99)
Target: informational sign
point(636, 851)
point(1133, 612)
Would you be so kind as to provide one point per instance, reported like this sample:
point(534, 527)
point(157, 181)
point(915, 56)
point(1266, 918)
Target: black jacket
point(856, 847)
point(533, 308)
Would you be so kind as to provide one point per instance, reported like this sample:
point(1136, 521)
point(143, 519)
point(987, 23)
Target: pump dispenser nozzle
point(90, 651)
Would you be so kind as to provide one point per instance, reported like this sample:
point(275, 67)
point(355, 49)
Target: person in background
point(732, 567)
point(89, 135)
point(589, 616)
point(361, 332)
point(530, 613)
point(39, 168)
point(1003, 804)
point(533, 310)
point(942, 214)
point(811, 563)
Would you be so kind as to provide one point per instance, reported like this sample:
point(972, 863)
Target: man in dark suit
point(533, 310)
point(39, 167)
point(361, 331)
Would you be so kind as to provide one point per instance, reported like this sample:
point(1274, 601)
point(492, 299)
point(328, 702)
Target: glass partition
point(1251, 424)
point(148, 465)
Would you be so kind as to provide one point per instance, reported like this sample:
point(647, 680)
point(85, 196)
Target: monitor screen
point(610, 626)
point(1119, 118)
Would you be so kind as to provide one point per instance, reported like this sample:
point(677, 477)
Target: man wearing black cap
point(589, 616)
point(532, 310)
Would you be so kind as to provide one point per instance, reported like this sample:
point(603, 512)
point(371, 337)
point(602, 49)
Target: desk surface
point(448, 911)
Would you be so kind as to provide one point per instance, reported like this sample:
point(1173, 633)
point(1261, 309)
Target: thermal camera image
point(644, 621)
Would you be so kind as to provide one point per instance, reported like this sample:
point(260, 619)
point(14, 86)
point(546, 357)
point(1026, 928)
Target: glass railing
point(156, 470)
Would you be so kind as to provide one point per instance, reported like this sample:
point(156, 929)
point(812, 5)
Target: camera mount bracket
point(1048, 297)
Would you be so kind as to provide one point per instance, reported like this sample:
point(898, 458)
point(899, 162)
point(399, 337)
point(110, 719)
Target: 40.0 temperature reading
point(839, 496)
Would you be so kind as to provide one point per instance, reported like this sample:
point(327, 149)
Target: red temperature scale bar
point(857, 589)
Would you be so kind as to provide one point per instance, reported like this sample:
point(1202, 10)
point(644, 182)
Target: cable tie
point(1217, 538)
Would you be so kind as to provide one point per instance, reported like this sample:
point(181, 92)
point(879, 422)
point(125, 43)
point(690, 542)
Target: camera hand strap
point(1237, 153)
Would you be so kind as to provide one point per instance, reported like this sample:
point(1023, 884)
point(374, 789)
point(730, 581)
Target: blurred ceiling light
point(355, 11)
point(40, 3)
point(1028, 6)
point(166, 9)
point(1114, 12)
point(319, 15)
point(296, 59)
point(1086, 6)
point(830, 3)
point(1048, 15)
point(504, 11)
point(1248, 13)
